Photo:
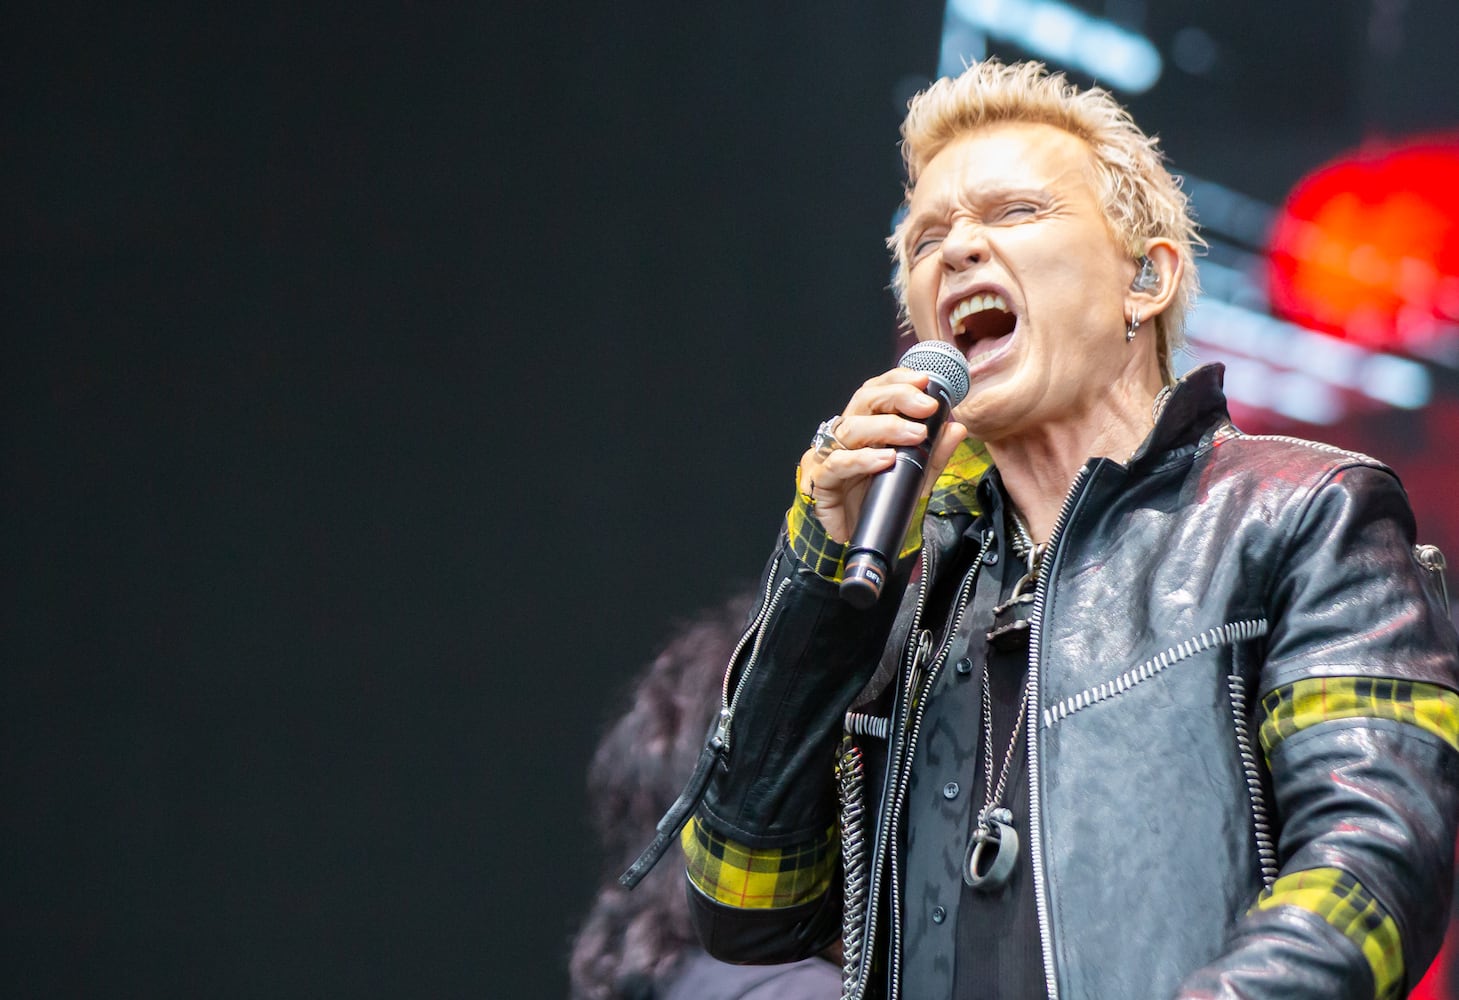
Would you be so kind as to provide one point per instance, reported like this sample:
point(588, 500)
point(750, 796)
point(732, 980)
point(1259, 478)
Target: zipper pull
point(719, 738)
point(917, 673)
point(1431, 559)
point(683, 806)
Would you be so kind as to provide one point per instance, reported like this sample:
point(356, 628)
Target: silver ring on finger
point(825, 440)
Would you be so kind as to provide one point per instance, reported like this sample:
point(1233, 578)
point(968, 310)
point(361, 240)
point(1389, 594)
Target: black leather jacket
point(1242, 669)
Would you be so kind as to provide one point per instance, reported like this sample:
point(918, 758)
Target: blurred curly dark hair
point(631, 942)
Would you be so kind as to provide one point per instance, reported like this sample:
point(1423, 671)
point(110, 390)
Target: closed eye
point(924, 245)
point(1016, 211)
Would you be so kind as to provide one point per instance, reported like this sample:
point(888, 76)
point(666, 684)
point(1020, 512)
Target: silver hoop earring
point(1134, 324)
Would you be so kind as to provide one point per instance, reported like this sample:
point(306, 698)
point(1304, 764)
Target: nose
point(965, 244)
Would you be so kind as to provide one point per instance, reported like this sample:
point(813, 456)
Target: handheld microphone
point(886, 514)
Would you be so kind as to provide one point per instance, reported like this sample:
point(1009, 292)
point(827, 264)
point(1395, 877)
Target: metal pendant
point(992, 852)
point(1011, 618)
point(1011, 623)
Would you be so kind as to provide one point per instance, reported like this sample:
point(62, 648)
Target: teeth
point(974, 304)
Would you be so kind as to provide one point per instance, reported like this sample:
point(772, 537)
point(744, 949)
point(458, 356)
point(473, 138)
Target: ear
point(1153, 287)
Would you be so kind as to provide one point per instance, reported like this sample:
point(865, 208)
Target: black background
point(381, 384)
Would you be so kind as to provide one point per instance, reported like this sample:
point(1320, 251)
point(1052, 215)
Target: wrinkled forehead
point(1006, 157)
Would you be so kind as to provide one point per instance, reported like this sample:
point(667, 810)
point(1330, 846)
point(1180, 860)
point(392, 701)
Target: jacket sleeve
point(763, 849)
point(1360, 726)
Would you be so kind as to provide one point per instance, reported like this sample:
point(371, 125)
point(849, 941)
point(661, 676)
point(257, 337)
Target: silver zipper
point(1035, 635)
point(1212, 638)
point(905, 774)
point(715, 747)
point(862, 724)
point(1316, 445)
point(894, 755)
point(1260, 819)
point(851, 775)
point(756, 629)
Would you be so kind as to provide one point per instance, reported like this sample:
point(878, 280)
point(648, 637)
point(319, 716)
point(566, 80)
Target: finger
point(897, 391)
point(898, 375)
point(879, 430)
point(844, 468)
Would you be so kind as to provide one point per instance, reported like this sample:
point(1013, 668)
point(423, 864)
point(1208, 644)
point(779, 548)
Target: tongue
point(987, 347)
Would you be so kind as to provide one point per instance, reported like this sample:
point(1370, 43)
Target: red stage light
point(1367, 248)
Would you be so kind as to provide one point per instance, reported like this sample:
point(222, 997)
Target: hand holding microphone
point(893, 437)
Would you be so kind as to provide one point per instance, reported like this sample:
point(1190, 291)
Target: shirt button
point(964, 666)
point(950, 790)
point(991, 558)
point(938, 914)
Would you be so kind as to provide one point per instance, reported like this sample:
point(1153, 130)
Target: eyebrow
point(939, 210)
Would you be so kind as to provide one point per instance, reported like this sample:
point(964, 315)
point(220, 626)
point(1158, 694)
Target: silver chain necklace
point(993, 850)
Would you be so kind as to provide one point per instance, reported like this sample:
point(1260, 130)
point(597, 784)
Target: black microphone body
point(886, 513)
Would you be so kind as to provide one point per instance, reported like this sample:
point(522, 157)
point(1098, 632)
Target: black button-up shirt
point(960, 943)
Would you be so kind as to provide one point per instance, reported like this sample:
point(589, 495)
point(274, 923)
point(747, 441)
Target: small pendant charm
point(1010, 619)
point(1010, 624)
point(992, 852)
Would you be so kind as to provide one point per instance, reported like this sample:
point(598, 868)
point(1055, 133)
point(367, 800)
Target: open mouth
point(978, 321)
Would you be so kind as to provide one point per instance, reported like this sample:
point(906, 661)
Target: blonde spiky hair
point(1141, 198)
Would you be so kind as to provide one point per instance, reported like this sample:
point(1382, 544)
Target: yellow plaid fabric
point(1330, 893)
point(955, 492)
point(1295, 707)
point(773, 878)
point(809, 542)
point(1341, 900)
point(956, 489)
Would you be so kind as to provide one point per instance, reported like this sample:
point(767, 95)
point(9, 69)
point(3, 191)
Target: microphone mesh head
point(943, 362)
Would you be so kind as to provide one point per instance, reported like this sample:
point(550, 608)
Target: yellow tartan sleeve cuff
point(773, 878)
point(1289, 710)
point(821, 553)
point(1341, 900)
point(809, 543)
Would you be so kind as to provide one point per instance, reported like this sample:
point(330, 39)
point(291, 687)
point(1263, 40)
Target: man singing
point(1148, 707)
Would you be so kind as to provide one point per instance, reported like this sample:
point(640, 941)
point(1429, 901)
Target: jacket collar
point(1194, 406)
